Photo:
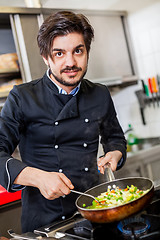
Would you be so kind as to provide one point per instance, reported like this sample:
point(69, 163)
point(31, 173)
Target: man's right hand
point(51, 184)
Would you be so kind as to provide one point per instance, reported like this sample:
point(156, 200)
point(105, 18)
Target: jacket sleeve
point(112, 136)
point(11, 125)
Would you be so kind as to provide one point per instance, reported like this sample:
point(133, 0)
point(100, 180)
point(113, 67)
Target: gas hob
point(144, 225)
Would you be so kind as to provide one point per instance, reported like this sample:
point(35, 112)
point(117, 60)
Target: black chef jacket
point(58, 133)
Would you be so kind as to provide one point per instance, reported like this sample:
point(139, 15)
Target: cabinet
point(25, 29)
point(18, 34)
point(10, 73)
point(109, 56)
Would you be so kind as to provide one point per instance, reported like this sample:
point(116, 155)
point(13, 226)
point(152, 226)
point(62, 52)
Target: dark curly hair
point(60, 24)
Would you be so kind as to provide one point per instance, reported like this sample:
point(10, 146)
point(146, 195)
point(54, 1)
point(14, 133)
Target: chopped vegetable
point(116, 197)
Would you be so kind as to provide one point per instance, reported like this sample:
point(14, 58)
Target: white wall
point(144, 26)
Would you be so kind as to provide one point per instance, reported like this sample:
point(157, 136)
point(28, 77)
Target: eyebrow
point(62, 50)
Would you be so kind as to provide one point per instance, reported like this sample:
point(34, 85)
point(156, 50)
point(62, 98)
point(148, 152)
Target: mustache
point(71, 69)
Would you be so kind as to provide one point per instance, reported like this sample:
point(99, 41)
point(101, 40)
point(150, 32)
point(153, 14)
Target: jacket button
point(85, 145)
point(86, 169)
point(56, 146)
point(56, 123)
point(60, 170)
point(86, 120)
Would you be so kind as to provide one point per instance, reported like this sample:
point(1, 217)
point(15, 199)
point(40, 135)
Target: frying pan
point(118, 213)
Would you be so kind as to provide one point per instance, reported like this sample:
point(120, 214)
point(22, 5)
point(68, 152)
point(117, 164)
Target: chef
point(57, 121)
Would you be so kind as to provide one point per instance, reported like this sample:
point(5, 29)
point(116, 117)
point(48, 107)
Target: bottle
point(132, 140)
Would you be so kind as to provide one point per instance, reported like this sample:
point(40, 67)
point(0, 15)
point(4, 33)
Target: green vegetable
point(116, 197)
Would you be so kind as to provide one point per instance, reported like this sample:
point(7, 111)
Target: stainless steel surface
point(19, 10)
point(51, 226)
point(18, 236)
point(109, 175)
point(24, 10)
point(143, 163)
point(28, 236)
point(58, 229)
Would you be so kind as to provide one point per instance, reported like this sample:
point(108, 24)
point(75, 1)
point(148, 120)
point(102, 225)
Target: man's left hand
point(112, 157)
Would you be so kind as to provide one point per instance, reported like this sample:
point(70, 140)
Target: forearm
point(29, 176)
point(51, 184)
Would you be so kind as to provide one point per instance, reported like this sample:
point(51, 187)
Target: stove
point(144, 225)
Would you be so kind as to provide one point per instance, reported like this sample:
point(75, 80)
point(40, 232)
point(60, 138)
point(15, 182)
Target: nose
point(70, 60)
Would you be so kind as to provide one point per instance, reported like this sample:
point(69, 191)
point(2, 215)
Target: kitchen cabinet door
point(25, 29)
point(109, 56)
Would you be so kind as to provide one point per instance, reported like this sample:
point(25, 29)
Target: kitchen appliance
point(144, 225)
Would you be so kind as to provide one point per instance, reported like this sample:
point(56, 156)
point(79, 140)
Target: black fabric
point(28, 119)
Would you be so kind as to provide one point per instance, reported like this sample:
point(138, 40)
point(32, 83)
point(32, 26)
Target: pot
point(120, 212)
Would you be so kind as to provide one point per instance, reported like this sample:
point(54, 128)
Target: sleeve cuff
point(120, 163)
point(17, 187)
point(13, 168)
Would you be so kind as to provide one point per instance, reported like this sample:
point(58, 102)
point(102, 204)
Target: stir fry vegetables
point(115, 197)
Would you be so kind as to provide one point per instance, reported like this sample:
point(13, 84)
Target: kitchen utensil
point(155, 89)
point(60, 223)
point(120, 212)
point(85, 194)
point(151, 90)
point(141, 100)
point(145, 90)
point(31, 236)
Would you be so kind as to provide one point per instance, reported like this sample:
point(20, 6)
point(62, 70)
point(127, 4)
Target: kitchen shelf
point(117, 83)
point(4, 94)
point(9, 70)
point(9, 74)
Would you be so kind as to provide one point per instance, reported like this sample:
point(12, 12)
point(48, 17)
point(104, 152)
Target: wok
point(120, 212)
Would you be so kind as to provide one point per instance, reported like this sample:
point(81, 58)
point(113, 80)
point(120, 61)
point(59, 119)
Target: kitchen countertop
point(148, 154)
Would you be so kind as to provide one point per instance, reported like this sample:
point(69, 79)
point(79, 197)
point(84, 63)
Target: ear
point(46, 61)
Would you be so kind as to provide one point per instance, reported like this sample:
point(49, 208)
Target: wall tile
point(149, 65)
point(157, 61)
point(155, 38)
point(145, 44)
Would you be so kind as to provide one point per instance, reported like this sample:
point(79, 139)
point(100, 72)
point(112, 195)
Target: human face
point(69, 60)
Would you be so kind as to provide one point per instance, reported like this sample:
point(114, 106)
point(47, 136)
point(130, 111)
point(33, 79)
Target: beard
point(67, 83)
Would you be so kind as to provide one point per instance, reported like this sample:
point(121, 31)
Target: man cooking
point(57, 121)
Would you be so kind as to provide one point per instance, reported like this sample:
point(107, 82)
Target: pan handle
point(108, 172)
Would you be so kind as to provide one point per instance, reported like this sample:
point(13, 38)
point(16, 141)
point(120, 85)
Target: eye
point(59, 54)
point(78, 51)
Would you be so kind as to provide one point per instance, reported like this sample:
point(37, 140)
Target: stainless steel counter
point(144, 163)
